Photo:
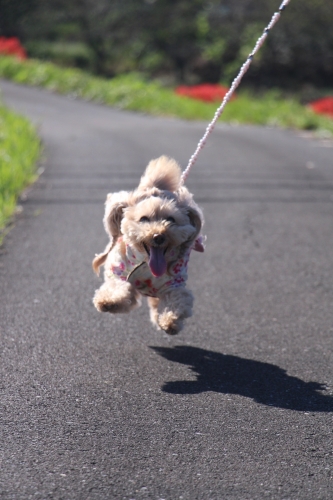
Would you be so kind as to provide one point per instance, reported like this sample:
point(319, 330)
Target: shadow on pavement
point(263, 382)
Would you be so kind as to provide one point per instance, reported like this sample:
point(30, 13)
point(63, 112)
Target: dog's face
point(160, 229)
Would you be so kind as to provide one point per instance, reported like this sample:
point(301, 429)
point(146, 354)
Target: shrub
point(207, 92)
point(12, 47)
point(323, 106)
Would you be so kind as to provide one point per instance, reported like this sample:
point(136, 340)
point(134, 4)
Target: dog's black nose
point(158, 239)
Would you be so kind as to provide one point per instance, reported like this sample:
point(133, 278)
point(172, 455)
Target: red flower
point(12, 47)
point(207, 92)
point(323, 106)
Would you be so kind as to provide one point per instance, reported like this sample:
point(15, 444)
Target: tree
point(191, 40)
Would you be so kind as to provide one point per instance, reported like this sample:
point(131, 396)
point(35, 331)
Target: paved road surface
point(240, 404)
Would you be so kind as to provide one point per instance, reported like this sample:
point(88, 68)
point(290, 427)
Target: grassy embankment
point(19, 152)
point(131, 92)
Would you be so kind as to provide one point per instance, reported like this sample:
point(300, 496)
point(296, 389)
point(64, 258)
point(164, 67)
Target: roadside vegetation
point(185, 42)
point(19, 153)
point(135, 54)
point(133, 92)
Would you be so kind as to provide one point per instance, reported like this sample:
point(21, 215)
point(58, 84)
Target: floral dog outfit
point(131, 266)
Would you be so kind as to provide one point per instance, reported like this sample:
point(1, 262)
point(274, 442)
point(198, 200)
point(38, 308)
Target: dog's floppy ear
point(163, 173)
point(195, 217)
point(186, 202)
point(114, 207)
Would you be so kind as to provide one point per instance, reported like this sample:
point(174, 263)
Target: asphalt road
point(237, 406)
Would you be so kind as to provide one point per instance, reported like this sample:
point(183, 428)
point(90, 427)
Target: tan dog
point(152, 232)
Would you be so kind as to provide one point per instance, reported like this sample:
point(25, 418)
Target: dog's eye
point(170, 219)
point(144, 219)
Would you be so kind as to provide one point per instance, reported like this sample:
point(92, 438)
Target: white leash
point(232, 89)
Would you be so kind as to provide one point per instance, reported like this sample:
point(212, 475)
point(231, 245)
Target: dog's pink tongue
point(157, 262)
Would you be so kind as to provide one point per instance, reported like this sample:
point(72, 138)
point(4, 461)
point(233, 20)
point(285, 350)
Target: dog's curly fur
point(152, 229)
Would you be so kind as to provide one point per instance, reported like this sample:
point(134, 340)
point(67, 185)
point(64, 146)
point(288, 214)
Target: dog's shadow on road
point(265, 383)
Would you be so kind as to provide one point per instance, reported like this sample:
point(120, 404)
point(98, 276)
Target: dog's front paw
point(170, 323)
point(110, 307)
point(120, 300)
point(114, 307)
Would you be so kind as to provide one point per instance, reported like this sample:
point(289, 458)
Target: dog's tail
point(163, 173)
point(100, 258)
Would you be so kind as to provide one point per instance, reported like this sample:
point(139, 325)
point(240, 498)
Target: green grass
point(19, 152)
point(63, 53)
point(132, 92)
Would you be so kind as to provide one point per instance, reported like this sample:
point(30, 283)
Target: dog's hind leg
point(153, 310)
point(116, 297)
point(175, 306)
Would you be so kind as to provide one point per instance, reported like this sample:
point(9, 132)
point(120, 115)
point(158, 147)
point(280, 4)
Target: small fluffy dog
point(152, 232)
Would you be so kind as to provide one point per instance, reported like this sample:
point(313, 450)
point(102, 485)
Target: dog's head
point(159, 219)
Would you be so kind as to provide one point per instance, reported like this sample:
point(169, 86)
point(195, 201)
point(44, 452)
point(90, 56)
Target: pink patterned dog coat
point(132, 266)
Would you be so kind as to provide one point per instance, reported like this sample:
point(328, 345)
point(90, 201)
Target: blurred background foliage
point(180, 41)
